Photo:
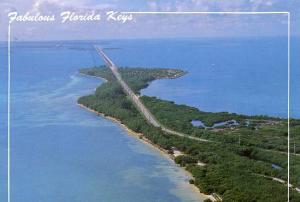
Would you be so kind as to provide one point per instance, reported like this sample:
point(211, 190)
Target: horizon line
point(153, 38)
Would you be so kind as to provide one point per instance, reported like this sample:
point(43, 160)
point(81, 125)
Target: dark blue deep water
point(247, 76)
point(60, 152)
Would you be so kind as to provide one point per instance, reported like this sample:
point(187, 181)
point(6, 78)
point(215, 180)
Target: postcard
point(150, 101)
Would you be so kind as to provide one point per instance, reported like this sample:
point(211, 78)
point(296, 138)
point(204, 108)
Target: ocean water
point(60, 152)
point(241, 75)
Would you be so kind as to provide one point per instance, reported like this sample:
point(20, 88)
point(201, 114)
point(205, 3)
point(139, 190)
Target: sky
point(151, 25)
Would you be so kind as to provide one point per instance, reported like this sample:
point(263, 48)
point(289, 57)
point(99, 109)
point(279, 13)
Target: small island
point(242, 158)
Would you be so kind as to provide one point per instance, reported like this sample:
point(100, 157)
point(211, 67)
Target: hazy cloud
point(153, 26)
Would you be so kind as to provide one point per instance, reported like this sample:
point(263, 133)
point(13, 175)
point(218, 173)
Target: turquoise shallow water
point(61, 152)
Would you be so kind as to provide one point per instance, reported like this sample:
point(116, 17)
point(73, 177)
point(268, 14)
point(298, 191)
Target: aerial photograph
point(149, 101)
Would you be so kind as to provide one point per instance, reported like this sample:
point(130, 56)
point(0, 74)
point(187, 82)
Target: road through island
point(135, 99)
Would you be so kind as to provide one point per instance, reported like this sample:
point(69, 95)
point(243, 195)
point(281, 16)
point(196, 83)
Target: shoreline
point(97, 77)
point(162, 151)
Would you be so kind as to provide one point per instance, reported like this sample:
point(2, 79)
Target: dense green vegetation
point(237, 160)
point(259, 131)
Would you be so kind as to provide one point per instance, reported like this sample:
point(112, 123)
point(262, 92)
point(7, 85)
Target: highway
point(146, 112)
point(142, 108)
point(137, 102)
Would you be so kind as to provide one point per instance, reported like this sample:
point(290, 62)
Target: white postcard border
point(147, 12)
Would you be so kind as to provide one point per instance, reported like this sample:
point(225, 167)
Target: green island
point(245, 158)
